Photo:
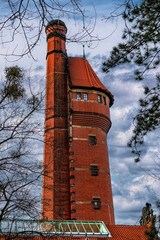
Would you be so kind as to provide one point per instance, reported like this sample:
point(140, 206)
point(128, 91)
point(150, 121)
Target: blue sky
point(133, 184)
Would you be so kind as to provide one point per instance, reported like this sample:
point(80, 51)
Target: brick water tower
point(76, 180)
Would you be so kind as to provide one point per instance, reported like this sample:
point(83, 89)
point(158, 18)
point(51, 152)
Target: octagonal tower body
point(76, 182)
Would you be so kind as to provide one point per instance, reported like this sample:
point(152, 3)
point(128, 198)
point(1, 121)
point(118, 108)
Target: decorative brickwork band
point(91, 119)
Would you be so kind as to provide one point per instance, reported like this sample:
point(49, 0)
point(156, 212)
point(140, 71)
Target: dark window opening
point(72, 177)
point(78, 96)
point(72, 160)
point(92, 140)
point(96, 203)
point(72, 185)
point(72, 169)
point(85, 96)
point(104, 100)
point(72, 193)
point(99, 98)
point(73, 211)
point(94, 170)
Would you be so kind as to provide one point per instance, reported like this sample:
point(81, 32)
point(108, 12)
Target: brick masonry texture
point(68, 185)
point(92, 120)
point(56, 193)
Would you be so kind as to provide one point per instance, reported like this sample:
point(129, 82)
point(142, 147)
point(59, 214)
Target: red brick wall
point(90, 118)
point(68, 187)
point(55, 199)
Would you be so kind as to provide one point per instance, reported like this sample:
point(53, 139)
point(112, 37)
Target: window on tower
point(78, 96)
point(94, 170)
point(92, 140)
point(72, 177)
point(85, 96)
point(73, 211)
point(104, 100)
point(96, 203)
point(99, 98)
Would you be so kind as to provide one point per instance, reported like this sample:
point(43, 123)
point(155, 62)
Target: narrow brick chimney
point(55, 196)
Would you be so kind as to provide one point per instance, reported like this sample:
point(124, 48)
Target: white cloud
point(121, 113)
point(133, 196)
point(123, 137)
point(121, 71)
point(129, 91)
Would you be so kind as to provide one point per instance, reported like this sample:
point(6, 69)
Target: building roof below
point(130, 232)
point(72, 230)
point(83, 76)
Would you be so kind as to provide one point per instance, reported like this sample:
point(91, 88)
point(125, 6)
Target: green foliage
point(141, 38)
point(147, 119)
point(20, 131)
point(33, 101)
point(13, 89)
point(152, 232)
point(141, 46)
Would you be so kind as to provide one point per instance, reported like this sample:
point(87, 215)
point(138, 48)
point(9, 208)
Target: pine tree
point(141, 46)
point(152, 232)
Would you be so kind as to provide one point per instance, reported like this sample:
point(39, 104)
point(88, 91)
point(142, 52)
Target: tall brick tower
point(56, 191)
point(76, 181)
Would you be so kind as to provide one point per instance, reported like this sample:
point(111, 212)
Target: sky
point(133, 184)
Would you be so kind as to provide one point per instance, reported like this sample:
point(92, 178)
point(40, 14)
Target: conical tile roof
point(83, 76)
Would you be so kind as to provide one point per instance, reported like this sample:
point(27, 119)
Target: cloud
point(39, 68)
point(132, 197)
point(121, 71)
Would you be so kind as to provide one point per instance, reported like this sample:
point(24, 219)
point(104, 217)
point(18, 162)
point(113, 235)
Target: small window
point(72, 169)
point(99, 98)
point(78, 96)
point(72, 193)
point(72, 185)
point(92, 140)
point(73, 211)
point(104, 100)
point(96, 203)
point(85, 96)
point(94, 170)
point(72, 160)
point(72, 177)
point(71, 153)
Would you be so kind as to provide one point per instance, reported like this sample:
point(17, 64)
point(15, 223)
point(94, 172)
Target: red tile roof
point(82, 75)
point(127, 232)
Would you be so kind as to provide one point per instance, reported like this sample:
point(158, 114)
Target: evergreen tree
point(141, 46)
point(152, 233)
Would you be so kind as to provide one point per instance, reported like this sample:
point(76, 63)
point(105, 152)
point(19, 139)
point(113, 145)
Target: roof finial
point(84, 56)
